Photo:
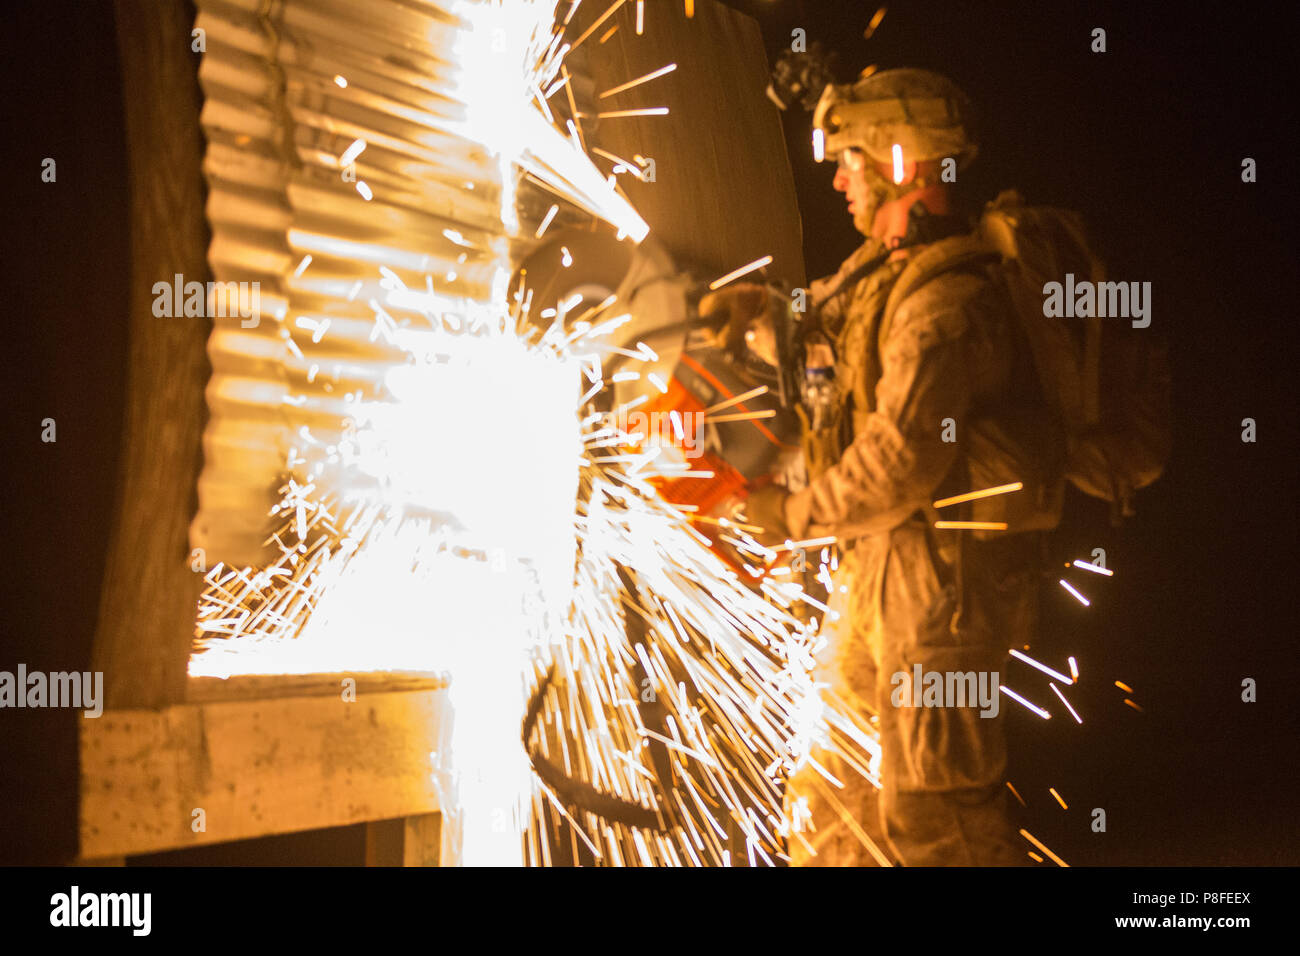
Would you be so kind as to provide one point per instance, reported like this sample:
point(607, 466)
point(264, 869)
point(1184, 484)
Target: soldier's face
point(859, 192)
point(865, 187)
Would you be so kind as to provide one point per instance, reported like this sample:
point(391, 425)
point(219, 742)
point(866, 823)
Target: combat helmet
point(926, 114)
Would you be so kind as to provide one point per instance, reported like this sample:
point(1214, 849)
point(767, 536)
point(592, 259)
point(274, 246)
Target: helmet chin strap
point(882, 190)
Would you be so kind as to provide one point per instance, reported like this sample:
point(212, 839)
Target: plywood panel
point(723, 193)
point(256, 768)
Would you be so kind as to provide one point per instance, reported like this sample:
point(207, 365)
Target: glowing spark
point(639, 80)
point(1034, 840)
point(1094, 568)
point(362, 188)
point(566, 258)
point(640, 17)
point(1016, 793)
point(340, 82)
point(819, 145)
point(302, 266)
point(615, 114)
point(456, 237)
point(352, 152)
point(1035, 857)
point(1073, 712)
point(609, 33)
point(742, 416)
point(546, 220)
point(690, 9)
point(1016, 697)
point(599, 20)
point(1069, 587)
point(1042, 667)
point(899, 172)
point(620, 164)
point(1052, 791)
point(736, 400)
point(875, 22)
point(974, 495)
point(1124, 687)
point(736, 274)
point(971, 525)
point(395, 538)
point(1133, 705)
point(1074, 669)
point(806, 544)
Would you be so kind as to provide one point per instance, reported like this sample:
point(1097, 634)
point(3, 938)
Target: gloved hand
point(732, 311)
point(766, 509)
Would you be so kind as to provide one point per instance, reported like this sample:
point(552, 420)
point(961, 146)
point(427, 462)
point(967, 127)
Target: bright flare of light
point(1035, 841)
point(521, 548)
point(975, 495)
point(1073, 590)
point(719, 282)
point(654, 74)
point(1020, 700)
point(1073, 713)
point(1042, 667)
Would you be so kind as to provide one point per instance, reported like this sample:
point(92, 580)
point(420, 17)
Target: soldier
point(949, 352)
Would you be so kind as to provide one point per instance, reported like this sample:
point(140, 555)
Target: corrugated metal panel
point(289, 87)
point(277, 120)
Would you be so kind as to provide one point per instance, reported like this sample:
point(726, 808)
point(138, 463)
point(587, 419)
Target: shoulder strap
point(947, 255)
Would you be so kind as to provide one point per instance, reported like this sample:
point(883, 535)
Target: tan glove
point(732, 311)
point(766, 509)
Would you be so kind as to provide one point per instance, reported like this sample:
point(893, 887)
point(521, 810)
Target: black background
point(1146, 140)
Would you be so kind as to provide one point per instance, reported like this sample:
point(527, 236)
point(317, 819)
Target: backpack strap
point(947, 255)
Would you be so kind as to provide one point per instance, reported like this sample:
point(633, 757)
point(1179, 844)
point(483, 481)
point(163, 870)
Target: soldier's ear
point(911, 169)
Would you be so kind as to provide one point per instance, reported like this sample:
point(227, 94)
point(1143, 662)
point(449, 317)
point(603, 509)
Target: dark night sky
point(1145, 140)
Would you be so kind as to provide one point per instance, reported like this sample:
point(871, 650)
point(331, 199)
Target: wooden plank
point(384, 839)
point(724, 192)
point(201, 690)
point(255, 768)
point(146, 611)
point(412, 841)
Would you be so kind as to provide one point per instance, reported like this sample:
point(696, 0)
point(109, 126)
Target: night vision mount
point(800, 77)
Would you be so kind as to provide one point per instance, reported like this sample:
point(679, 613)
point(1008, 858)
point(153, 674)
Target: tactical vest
point(1000, 444)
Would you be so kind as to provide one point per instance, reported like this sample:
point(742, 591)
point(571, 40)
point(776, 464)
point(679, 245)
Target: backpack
point(1106, 385)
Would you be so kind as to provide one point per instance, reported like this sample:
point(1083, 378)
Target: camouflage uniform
point(949, 352)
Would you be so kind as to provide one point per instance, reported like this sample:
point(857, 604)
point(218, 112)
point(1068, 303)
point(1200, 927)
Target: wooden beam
point(146, 610)
point(211, 690)
point(257, 768)
point(412, 841)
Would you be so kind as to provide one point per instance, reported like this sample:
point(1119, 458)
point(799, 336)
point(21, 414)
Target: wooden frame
point(260, 767)
point(260, 756)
